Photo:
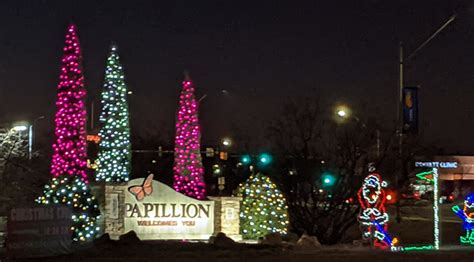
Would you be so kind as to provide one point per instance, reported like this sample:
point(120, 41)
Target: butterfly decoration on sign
point(140, 192)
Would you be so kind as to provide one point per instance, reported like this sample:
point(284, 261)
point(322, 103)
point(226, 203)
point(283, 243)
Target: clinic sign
point(437, 164)
point(155, 211)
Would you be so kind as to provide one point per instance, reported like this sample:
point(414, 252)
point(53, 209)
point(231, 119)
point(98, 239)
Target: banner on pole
point(410, 109)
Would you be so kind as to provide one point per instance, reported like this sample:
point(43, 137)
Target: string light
point(436, 209)
point(414, 248)
point(264, 208)
point(69, 185)
point(188, 170)
point(114, 157)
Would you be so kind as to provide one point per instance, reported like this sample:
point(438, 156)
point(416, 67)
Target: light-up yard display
point(466, 213)
point(373, 217)
point(432, 177)
point(436, 208)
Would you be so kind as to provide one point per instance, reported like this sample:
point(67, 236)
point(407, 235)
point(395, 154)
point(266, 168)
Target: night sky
point(248, 57)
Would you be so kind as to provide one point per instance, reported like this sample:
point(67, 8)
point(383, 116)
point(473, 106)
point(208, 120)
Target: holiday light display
point(373, 216)
point(415, 248)
point(69, 185)
point(188, 169)
point(436, 209)
point(69, 148)
point(74, 192)
point(426, 176)
point(263, 209)
point(114, 157)
point(466, 213)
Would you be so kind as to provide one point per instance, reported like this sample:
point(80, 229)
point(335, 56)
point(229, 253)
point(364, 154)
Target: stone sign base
point(226, 216)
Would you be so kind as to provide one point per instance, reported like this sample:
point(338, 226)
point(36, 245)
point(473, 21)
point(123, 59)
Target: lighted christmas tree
point(114, 149)
point(263, 209)
point(188, 169)
point(69, 185)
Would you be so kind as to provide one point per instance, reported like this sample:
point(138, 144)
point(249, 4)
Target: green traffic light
point(265, 159)
point(328, 179)
point(245, 159)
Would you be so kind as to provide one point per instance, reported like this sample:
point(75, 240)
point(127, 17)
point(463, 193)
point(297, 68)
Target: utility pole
point(400, 130)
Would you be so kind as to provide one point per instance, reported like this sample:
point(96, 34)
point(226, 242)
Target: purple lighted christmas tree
point(188, 169)
point(69, 185)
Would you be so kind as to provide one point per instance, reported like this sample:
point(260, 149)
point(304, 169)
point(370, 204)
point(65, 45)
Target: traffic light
point(160, 151)
point(216, 169)
point(328, 179)
point(223, 155)
point(391, 197)
point(209, 152)
point(245, 159)
point(264, 159)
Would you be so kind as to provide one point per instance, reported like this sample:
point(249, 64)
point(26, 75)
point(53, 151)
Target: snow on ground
point(176, 251)
point(416, 228)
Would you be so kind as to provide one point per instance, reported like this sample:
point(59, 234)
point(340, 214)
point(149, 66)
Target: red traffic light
point(391, 197)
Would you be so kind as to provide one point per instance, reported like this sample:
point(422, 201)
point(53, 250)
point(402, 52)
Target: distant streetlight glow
point(341, 113)
point(20, 127)
point(226, 141)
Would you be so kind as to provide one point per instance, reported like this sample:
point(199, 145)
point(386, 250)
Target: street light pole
point(402, 61)
point(30, 137)
point(399, 133)
point(30, 141)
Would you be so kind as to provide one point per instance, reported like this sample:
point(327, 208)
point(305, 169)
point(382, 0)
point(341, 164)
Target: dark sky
point(261, 52)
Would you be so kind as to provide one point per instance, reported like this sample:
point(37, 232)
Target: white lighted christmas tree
point(114, 159)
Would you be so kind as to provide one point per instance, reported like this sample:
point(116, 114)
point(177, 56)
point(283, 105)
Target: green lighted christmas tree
point(74, 192)
point(114, 148)
point(264, 208)
point(69, 185)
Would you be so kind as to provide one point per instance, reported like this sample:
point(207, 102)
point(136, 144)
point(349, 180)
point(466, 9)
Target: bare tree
point(13, 147)
point(311, 147)
point(12, 144)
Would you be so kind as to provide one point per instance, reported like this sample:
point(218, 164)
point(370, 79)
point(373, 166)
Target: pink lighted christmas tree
point(69, 185)
point(69, 156)
point(188, 169)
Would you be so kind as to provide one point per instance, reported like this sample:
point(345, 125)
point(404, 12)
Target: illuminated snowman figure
point(373, 216)
point(467, 215)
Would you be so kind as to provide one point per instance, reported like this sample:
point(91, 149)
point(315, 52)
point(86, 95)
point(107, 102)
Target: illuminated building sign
point(155, 211)
point(437, 164)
